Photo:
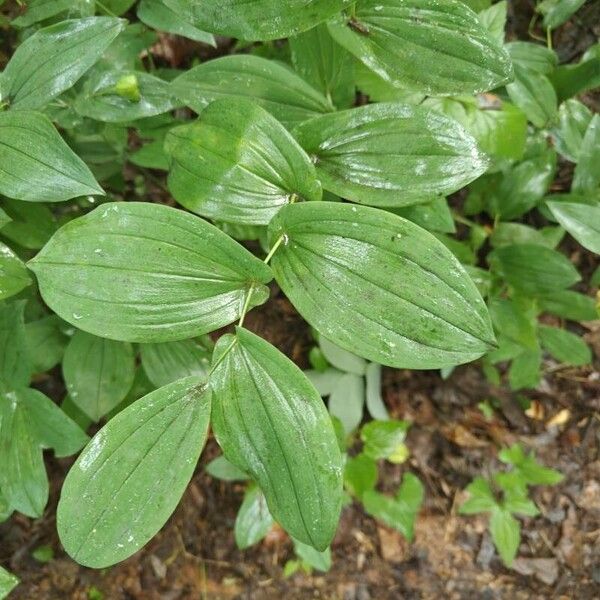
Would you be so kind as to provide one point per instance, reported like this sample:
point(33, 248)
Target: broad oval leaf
point(587, 174)
point(98, 373)
point(533, 269)
point(272, 85)
point(255, 20)
point(253, 520)
point(102, 100)
point(238, 164)
point(379, 286)
point(391, 154)
point(37, 164)
point(144, 272)
point(439, 48)
point(533, 93)
point(271, 422)
point(582, 221)
point(170, 361)
point(130, 477)
point(54, 58)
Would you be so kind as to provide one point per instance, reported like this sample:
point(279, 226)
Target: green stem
point(549, 38)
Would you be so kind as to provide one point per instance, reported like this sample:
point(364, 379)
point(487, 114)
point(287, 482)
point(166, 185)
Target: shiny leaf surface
point(257, 19)
point(391, 154)
point(54, 58)
point(379, 286)
point(37, 165)
point(95, 274)
point(130, 477)
point(238, 164)
point(270, 422)
point(439, 48)
point(273, 86)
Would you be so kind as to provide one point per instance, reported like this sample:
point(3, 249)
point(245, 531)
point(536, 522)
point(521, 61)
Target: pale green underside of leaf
point(437, 48)
point(144, 272)
point(36, 164)
point(379, 286)
point(130, 477)
point(270, 84)
point(254, 20)
point(391, 154)
point(271, 423)
point(238, 164)
point(54, 58)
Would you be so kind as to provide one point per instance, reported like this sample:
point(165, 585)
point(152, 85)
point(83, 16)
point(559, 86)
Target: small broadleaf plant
point(347, 201)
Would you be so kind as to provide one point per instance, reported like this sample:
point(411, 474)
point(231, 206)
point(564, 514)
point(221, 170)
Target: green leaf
point(95, 274)
point(533, 93)
point(15, 364)
point(30, 422)
point(255, 20)
point(518, 503)
point(54, 58)
point(525, 370)
point(115, 7)
point(582, 221)
point(557, 12)
point(271, 423)
point(52, 427)
point(399, 512)
point(514, 321)
point(506, 534)
point(383, 438)
point(347, 400)
point(438, 49)
point(170, 361)
point(253, 520)
point(506, 234)
point(46, 342)
point(570, 80)
point(391, 154)
point(324, 381)
point(374, 401)
point(102, 99)
point(13, 274)
point(238, 164)
point(157, 15)
point(221, 468)
point(533, 269)
point(326, 65)
point(41, 10)
point(360, 474)
point(481, 498)
point(335, 256)
point(8, 582)
point(433, 216)
point(29, 225)
point(527, 467)
point(493, 19)
point(38, 166)
point(342, 359)
point(573, 120)
point(130, 477)
point(269, 84)
point(532, 57)
point(321, 561)
point(565, 346)
point(569, 305)
point(98, 373)
point(587, 175)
